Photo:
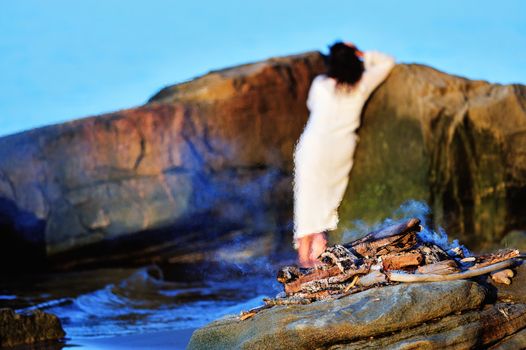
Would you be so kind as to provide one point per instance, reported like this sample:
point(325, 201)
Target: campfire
point(395, 254)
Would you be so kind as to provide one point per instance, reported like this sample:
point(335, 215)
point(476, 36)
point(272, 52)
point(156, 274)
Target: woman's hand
point(310, 248)
point(351, 45)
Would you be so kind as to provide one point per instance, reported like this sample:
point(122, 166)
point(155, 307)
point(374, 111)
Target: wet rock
point(38, 326)
point(373, 313)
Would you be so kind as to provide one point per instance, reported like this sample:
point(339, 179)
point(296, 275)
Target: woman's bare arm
point(377, 67)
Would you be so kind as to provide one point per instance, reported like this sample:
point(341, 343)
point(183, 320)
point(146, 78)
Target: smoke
point(409, 209)
point(249, 255)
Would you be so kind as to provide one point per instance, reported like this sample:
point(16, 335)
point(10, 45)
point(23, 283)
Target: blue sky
point(64, 59)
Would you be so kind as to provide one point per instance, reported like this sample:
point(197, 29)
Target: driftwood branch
point(502, 276)
point(372, 278)
point(411, 225)
point(396, 238)
point(445, 267)
point(388, 256)
point(491, 259)
point(409, 278)
point(401, 260)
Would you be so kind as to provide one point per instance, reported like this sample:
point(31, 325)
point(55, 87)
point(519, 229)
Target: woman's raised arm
point(377, 67)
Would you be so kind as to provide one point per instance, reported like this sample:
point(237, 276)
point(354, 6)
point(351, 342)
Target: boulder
point(513, 342)
point(469, 330)
point(373, 313)
point(199, 161)
point(208, 163)
point(16, 329)
point(460, 314)
point(451, 142)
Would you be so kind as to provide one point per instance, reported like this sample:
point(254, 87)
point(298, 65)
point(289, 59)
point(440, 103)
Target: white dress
point(323, 156)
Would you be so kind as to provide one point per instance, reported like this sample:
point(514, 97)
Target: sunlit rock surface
point(459, 314)
point(401, 316)
point(201, 159)
point(209, 162)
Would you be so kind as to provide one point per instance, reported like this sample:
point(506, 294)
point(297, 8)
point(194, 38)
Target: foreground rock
point(427, 315)
point(16, 329)
point(207, 159)
point(513, 342)
point(325, 323)
point(471, 330)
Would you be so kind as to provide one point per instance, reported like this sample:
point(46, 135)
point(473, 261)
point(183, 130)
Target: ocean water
point(114, 302)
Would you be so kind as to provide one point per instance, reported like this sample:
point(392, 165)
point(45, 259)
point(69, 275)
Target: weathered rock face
point(438, 315)
point(470, 330)
point(408, 314)
point(205, 156)
point(454, 143)
point(18, 329)
point(515, 341)
point(213, 155)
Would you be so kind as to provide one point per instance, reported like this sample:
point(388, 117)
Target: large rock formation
point(441, 315)
point(211, 156)
point(200, 159)
point(451, 142)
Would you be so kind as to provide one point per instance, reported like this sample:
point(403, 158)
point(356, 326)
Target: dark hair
point(344, 65)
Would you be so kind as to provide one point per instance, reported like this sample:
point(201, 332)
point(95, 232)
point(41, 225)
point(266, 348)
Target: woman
point(324, 154)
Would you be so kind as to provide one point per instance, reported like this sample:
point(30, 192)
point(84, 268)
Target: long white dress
point(323, 156)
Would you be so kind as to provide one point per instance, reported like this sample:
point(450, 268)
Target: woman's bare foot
point(309, 248)
point(318, 245)
point(304, 244)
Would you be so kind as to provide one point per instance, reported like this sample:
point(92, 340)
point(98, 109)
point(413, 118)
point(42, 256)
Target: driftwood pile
point(392, 255)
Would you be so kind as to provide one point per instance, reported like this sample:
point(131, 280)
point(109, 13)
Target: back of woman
point(324, 154)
